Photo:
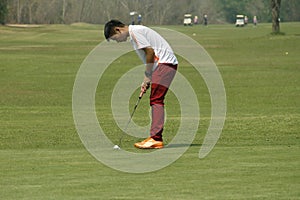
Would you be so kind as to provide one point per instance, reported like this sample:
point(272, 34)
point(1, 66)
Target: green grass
point(257, 156)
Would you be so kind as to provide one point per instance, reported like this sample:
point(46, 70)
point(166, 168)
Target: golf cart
point(240, 21)
point(187, 20)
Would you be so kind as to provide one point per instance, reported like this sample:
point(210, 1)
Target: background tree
point(154, 12)
point(289, 10)
point(259, 8)
point(231, 8)
point(275, 5)
point(3, 11)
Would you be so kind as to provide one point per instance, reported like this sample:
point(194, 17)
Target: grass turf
point(257, 156)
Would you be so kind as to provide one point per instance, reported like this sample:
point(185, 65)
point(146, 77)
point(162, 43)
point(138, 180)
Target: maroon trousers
point(161, 81)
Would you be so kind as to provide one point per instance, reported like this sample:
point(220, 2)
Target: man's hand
point(146, 84)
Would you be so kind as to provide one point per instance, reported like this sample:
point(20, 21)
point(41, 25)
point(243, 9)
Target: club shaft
point(135, 106)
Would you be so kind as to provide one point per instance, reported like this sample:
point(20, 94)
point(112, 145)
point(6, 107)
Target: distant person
point(205, 20)
point(196, 20)
point(246, 20)
point(254, 20)
point(139, 19)
point(160, 69)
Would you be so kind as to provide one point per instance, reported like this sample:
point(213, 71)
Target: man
point(205, 20)
point(160, 69)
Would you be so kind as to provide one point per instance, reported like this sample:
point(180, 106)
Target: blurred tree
point(290, 10)
point(3, 11)
point(275, 5)
point(153, 11)
point(231, 8)
point(259, 8)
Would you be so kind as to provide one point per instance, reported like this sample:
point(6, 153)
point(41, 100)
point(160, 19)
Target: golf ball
point(116, 147)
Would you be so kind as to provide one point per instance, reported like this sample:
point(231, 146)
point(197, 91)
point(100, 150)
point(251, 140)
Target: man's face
point(119, 36)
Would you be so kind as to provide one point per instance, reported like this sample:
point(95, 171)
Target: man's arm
point(150, 56)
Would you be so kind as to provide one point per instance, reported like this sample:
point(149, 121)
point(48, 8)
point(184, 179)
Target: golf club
point(135, 106)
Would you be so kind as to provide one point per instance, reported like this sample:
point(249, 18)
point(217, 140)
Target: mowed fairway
point(256, 157)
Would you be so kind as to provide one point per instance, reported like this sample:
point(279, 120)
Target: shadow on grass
point(182, 145)
point(277, 33)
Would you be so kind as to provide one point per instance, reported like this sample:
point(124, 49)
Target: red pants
point(161, 81)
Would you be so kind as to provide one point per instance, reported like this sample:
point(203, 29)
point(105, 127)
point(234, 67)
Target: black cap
point(109, 28)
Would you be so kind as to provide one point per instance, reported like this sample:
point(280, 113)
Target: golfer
point(160, 69)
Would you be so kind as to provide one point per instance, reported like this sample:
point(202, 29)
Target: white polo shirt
point(142, 37)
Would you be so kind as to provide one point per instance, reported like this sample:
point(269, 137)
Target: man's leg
point(161, 80)
point(157, 125)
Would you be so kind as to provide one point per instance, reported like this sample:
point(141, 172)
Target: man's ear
point(117, 30)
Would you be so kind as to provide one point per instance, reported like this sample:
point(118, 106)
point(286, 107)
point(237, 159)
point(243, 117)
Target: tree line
point(156, 12)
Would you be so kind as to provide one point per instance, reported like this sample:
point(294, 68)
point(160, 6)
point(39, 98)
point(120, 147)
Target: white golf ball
point(286, 53)
point(116, 147)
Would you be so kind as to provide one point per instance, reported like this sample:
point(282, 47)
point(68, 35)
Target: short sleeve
point(139, 38)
